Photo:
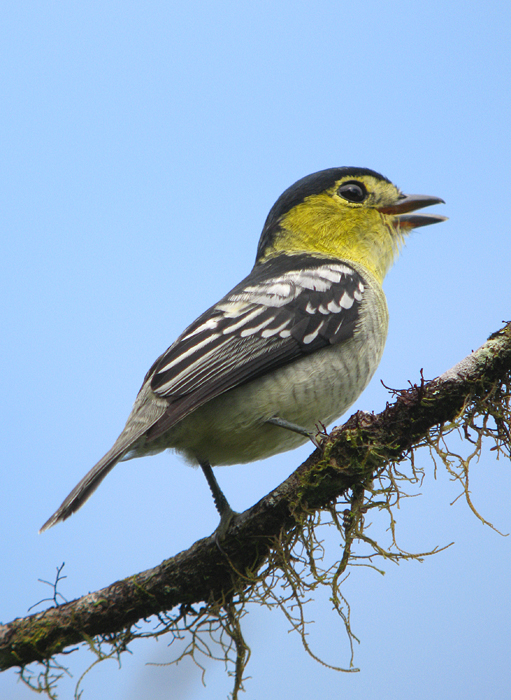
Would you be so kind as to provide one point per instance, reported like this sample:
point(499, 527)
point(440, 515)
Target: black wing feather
point(285, 309)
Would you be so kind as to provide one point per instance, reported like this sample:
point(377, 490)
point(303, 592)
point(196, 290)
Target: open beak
point(411, 202)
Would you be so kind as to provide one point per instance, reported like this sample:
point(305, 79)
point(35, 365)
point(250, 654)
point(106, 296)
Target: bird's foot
point(227, 517)
point(311, 434)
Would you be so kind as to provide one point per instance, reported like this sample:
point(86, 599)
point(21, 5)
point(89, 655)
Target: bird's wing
point(286, 308)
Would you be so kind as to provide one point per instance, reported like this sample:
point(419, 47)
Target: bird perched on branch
point(292, 346)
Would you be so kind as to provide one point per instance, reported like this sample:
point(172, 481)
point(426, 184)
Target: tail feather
point(87, 486)
point(147, 410)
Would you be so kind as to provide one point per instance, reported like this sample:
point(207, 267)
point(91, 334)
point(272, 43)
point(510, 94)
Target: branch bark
point(350, 456)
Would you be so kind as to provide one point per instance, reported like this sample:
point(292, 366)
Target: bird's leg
point(221, 503)
point(281, 423)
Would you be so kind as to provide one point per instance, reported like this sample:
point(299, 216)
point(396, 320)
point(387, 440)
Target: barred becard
point(290, 348)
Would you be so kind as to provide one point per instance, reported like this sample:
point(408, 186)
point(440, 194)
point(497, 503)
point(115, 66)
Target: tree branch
point(351, 456)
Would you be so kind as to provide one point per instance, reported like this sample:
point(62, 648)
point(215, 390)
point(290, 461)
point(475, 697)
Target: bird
point(289, 348)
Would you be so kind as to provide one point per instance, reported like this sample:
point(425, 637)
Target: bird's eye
point(353, 191)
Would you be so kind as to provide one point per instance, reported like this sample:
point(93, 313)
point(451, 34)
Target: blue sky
point(142, 147)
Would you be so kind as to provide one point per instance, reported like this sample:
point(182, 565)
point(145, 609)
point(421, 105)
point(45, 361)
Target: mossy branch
point(348, 461)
